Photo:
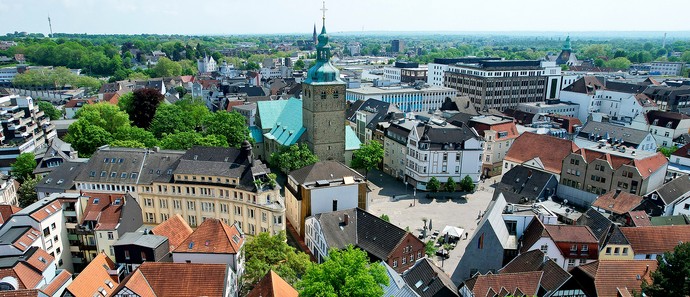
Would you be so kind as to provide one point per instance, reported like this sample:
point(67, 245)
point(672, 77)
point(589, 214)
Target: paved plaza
point(452, 209)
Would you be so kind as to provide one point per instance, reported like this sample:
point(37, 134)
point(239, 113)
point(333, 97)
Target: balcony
point(39, 114)
point(87, 246)
point(69, 213)
point(74, 249)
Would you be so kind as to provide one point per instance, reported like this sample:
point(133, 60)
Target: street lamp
point(414, 196)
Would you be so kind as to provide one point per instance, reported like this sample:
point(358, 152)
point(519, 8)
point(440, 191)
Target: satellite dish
point(565, 201)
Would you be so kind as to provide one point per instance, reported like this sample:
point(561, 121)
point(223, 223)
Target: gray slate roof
point(431, 276)
point(629, 136)
point(597, 222)
point(674, 189)
point(396, 284)
point(61, 178)
point(554, 276)
point(364, 230)
point(141, 239)
point(219, 161)
point(148, 165)
point(521, 182)
point(324, 170)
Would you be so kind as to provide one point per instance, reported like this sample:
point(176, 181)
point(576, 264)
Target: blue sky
point(298, 16)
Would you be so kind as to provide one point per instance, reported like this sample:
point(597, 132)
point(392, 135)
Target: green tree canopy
point(619, 63)
point(433, 185)
point(345, 273)
point(23, 167)
point(170, 119)
point(50, 110)
point(26, 194)
point(127, 143)
point(299, 65)
point(264, 252)
point(104, 115)
point(166, 68)
point(367, 156)
point(137, 134)
point(86, 138)
point(450, 185)
point(143, 106)
point(186, 140)
point(672, 276)
point(232, 125)
point(293, 157)
point(467, 184)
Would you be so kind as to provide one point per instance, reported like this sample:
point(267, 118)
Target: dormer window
point(656, 122)
point(323, 95)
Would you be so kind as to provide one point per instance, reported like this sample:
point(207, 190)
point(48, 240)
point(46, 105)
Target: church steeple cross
point(323, 10)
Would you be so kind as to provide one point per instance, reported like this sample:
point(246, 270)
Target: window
point(395, 263)
point(127, 255)
point(163, 203)
point(250, 213)
point(625, 251)
point(192, 220)
point(616, 251)
point(150, 217)
point(223, 208)
point(264, 216)
point(177, 204)
point(404, 260)
point(52, 226)
point(238, 210)
point(148, 202)
point(191, 205)
point(571, 262)
point(46, 231)
point(544, 248)
point(111, 236)
point(585, 248)
point(573, 248)
point(335, 205)
point(113, 174)
point(608, 250)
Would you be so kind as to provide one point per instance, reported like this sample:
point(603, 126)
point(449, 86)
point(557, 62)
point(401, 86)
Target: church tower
point(323, 104)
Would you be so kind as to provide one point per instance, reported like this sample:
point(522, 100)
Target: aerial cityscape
point(351, 148)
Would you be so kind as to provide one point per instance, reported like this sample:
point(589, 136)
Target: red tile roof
point(175, 229)
point(212, 236)
point(656, 239)
point(617, 203)
point(526, 282)
point(58, 282)
point(645, 166)
point(40, 260)
point(530, 145)
point(6, 211)
point(112, 98)
point(93, 277)
point(614, 276)
point(649, 165)
point(29, 237)
point(46, 211)
point(105, 213)
point(571, 234)
point(682, 151)
point(639, 218)
point(177, 279)
point(74, 102)
point(272, 285)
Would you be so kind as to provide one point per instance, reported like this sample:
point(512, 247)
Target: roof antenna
point(50, 26)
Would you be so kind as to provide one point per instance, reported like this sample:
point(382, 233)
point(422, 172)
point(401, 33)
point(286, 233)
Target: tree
point(386, 218)
point(24, 166)
point(143, 106)
point(186, 140)
point(264, 252)
point(86, 138)
point(467, 184)
point(127, 143)
point(104, 115)
point(50, 110)
point(367, 156)
point(166, 68)
point(232, 125)
point(450, 185)
point(293, 157)
point(299, 65)
point(26, 194)
point(595, 51)
point(136, 134)
point(433, 185)
point(672, 276)
point(169, 119)
point(667, 151)
point(345, 273)
point(619, 63)
point(430, 248)
point(599, 62)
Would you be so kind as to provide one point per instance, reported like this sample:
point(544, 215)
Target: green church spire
point(566, 44)
point(323, 71)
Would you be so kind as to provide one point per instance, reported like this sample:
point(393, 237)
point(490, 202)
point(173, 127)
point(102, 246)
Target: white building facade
point(405, 98)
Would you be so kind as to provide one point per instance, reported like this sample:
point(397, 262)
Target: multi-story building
point(24, 128)
point(616, 101)
point(207, 65)
point(356, 227)
point(325, 186)
point(590, 172)
point(667, 126)
point(395, 147)
point(567, 245)
point(134, 248)
point(442, 150)
point(405, 72)
point(100, 278)
point(8, 190)
point(551, 107)
point(492, 84)
point(105, 218)
point(438, 68)
point(670, 97)
point(209, 182)
point(365, 116)
point(397, 46)
point(406, 98)
point(31, 272)
point(498, 133)
point(596, 133)
point(174, 279)
point(528, 150)
point(666, 68)
point(679, 162)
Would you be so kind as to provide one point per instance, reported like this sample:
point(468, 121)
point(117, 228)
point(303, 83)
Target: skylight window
point(95, 200)
point(191, 245)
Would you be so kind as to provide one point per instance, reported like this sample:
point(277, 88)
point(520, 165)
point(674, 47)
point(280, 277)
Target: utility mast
point(51, 27)
point(663, 43)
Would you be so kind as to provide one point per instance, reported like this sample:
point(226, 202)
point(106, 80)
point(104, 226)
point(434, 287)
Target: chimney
point(618, 191)
point(346, 219)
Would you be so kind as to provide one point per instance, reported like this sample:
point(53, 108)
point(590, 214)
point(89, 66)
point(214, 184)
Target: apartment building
point(492, 84)
point(24, 128)
point(590, 172)
point(406, 98)
point(498, 133)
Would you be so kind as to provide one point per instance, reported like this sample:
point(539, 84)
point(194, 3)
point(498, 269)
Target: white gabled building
point(442, 150)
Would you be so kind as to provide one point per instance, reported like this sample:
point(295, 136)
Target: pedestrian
point(466, 234)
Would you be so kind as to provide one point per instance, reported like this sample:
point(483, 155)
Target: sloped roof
point(103, 209)
point(94, 277)
point(323, 170)
point(175, 229)
point(351, 141)
point(535, 260)
point(597, 223)
point(396, 284)
point(177, 279)
point(520, 182)
point(675, 189)
point(614, 276)
point(616, 236)
point(272, 285)
point(531, 145)
point(640, 218)
point(433, 279)
point(6, 211)
point(666, 118)
point(617, 202)
point(213, 236)
point(364, 230)
point(525, 282)
point(58, 282)
point(630, 136)
point(571, 233)
point(669, 220)
point(683, 152)
point(287, 128)
point(270, 111)
point(656, 239)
